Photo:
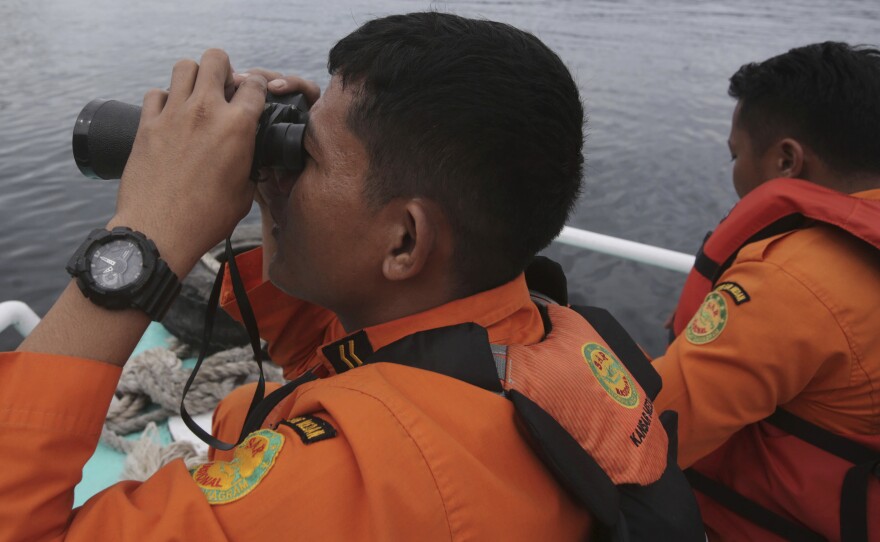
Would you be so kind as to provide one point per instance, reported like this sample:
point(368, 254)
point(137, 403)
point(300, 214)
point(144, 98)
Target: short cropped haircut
point(478, 116)
point(825, 95)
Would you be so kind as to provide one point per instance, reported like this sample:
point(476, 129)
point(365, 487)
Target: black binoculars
point(105, 130)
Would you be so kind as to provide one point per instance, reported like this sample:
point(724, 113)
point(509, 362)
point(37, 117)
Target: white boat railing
point(628, 250)
point(20, 316)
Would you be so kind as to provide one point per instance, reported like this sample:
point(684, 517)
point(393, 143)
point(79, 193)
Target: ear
point(789, 157)
point(413, 239)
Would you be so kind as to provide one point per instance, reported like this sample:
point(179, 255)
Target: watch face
point(116, 264)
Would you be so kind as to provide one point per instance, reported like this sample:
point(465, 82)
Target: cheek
point(739, 169)
point(735, 174)
point(300, 203)
point(746, 176)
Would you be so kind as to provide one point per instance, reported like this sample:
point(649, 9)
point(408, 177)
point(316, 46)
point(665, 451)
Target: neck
point(846, 183)
point(393, 302)
point(817, 172)
point(862, 183)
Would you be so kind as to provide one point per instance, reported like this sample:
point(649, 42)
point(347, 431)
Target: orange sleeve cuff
point(55, 393)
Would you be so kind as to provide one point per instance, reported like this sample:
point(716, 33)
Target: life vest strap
point(854, 493)
point(661, 510)
point(854, 501)
point(547, 278)
point(705, 265)
point(712, 270)
point(750, 510)
point(823, 439)
point(573, 467)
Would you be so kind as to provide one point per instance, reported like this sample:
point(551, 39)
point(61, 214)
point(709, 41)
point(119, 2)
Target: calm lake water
point(653, 75)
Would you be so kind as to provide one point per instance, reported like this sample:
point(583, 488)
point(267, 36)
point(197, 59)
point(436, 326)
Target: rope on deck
point(149, 391)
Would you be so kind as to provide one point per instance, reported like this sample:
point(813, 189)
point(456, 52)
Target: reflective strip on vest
point(499, 352)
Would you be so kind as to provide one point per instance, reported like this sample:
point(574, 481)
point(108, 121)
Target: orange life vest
point(836, 500)
point(583, 395)
point(773, 207)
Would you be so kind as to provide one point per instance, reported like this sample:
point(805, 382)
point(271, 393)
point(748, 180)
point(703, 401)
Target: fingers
point(214, 73)
point(280, 84)
point(183, 78)
point(268, 74)
point(154, 102)
point(214, 77)
point(228, 85)
point(251, 95)
point(292, 83)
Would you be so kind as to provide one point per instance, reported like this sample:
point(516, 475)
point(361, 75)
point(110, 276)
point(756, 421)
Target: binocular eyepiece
point(105, 130)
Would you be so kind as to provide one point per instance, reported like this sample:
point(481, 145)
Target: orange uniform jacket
point(387, 452)
point(799, 329)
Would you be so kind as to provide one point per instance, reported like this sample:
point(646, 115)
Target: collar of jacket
point(460, 351)
point(502, 315)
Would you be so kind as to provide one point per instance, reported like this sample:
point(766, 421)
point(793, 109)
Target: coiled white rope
point(149, 391)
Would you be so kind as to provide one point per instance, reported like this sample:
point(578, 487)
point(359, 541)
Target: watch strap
point(159, 292)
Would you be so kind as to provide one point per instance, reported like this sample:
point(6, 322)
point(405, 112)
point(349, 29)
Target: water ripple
point(653, 76)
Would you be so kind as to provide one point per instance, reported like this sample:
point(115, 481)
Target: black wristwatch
point(122, 269)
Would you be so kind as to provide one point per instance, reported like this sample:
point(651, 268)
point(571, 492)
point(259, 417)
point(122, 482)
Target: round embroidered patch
point(227, 481)
point(708, 323)
point(611, 374)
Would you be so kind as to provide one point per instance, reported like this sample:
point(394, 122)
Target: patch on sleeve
point(227, 481)
point(737, 292)
point(310, 429)
point(611, 374)
point(709, 320)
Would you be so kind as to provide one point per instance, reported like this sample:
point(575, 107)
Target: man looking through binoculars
point(426, 384)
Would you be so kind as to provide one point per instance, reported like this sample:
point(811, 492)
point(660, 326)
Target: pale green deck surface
point(105, 466)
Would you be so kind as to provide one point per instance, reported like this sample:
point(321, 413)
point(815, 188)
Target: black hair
point(825, 95)
point(476, 115)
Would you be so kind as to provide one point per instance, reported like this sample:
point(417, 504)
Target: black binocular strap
point(250, 323)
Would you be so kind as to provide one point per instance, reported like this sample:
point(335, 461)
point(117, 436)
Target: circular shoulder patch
point(709, 321)
point(611, 374)
point(227, 481)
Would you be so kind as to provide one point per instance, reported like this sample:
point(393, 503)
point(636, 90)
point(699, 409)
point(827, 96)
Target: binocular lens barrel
point(103, 136)
point(280, 139)
point(105, 130)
